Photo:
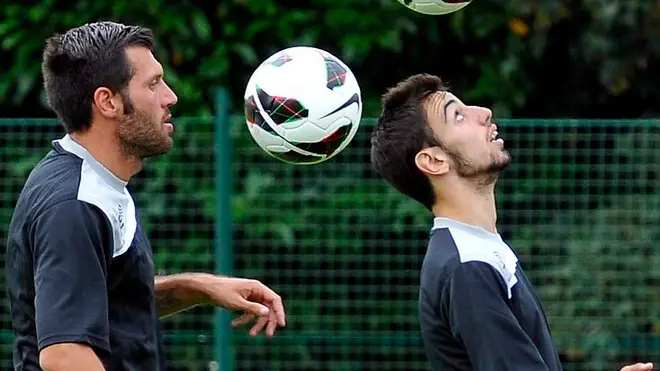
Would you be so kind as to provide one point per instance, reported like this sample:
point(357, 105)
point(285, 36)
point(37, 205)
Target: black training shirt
point(477, 309)
point(79, 266)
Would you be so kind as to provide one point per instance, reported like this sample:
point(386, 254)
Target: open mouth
point(494, 137)
point(169, 126)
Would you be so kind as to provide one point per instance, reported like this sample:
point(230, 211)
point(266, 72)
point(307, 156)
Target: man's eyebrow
point(447, 105)
point(156, 76)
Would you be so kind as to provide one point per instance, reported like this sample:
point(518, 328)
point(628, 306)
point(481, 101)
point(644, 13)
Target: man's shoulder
point(54, 179)
point(454, 251)
point(441, 259)
point(63, 177)
point(442, 250)
point(450, 248)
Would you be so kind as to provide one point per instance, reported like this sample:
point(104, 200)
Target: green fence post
point(224, 257)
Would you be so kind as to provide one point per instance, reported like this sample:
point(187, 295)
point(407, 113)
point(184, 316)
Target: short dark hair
point(83, 59)
point(401, 131)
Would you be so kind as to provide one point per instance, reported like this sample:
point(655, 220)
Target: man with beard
point(79, 265)
point(477, 309)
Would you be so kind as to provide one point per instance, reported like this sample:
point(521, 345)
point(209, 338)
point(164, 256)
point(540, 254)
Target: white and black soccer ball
point(436, 7)
point(303, 105)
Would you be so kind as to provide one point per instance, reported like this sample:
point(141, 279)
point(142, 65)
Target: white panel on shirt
point(477, 244)
point(117, 206)
point(497, 255)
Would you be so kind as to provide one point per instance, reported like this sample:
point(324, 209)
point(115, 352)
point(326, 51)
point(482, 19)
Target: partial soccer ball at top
point(435, 7)
point(303, 105)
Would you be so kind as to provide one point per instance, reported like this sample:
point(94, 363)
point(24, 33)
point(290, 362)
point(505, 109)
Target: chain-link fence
point(579, 203)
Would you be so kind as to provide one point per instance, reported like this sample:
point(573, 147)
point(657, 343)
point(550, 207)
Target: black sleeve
point(72, 251)
point(475, 302)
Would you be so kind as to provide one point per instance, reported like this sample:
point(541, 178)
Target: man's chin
point(155, 151)
point(500, 166)
point(164, 149)
point(502, 161)
point(488, 175)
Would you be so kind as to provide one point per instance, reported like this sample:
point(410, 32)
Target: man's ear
point(432, 161)
point(107, 104)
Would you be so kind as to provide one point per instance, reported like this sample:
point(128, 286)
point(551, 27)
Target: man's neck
point(108, 153)
point(469, 204)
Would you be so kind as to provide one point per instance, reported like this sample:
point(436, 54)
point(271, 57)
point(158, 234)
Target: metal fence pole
point(224, 257)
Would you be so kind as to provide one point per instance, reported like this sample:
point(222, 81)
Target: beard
point(484, 175)
point(140, 135)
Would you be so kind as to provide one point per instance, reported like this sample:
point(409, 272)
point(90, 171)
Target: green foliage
point(537, 58)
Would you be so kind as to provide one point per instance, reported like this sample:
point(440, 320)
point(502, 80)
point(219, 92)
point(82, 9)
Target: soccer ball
point(302, 105)
point(435, 7)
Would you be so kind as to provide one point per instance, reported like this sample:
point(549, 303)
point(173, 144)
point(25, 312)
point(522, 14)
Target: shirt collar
point(442, 222)
point(70, 145)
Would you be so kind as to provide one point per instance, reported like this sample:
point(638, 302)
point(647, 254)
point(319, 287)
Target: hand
point(251, 297)
point(639, 367)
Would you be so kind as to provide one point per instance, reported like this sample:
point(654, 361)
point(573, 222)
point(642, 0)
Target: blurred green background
point(573, 87)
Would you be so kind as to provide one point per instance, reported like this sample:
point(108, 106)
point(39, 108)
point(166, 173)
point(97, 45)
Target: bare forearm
point(175, 293)
point(69, 357)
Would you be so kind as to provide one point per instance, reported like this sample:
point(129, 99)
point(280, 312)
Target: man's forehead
point(437, 100)
point(143, 61)
point(442, 95)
